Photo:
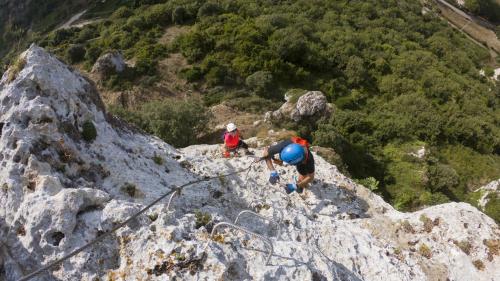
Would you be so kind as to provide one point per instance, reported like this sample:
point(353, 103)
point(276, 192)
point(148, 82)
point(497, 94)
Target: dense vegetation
point(177, 122)
point(399, 80)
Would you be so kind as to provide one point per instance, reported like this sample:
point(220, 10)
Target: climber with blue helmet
point(294, 151)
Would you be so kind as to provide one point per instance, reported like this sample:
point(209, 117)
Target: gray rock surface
point(487, 190)
point(312, 104)
point(59, 192)
point(108, 64)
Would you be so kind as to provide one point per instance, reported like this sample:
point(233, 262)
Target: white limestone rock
point(58, 192)
point(312, 104)
point(486, 191)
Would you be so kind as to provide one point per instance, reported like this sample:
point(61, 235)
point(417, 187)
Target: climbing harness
point(122, 224)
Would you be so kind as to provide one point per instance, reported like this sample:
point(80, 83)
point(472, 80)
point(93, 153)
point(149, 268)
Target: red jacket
point(232, 141)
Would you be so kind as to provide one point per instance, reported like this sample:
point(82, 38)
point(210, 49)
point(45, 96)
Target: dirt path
point(476, 29)
point(74, 18)
point(471, 26)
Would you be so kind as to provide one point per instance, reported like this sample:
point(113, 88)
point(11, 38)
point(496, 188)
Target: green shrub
point(260, 82)
point(289, 44)
point(178, 123)
point(89, 132)
point(15, 68)
point(157, 15)
point(179, 15)
point(429, 199)
point(442, 177)
point(62, 35)
point(405, 200)
point(251, 103)
point(194, 45)
point(214, 97)
point(122, 12)
point(492, 208)
point(92, 54)
point(489, 71)
point(75, 53)
point(295, 94)
point(209, 9)
point(191, 74)
point(87, 33)
point(216, 76)
point(370, 183)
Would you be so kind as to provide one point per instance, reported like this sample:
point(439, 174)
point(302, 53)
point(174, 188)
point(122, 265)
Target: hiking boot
point(227, 154)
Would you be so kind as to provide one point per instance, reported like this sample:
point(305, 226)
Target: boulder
point(311, 105)
point(108, 64)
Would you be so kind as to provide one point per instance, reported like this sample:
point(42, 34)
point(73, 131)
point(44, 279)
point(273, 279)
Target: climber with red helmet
point(294, 151)
point(232, 141)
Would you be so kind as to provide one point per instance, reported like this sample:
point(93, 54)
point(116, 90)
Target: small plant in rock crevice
point(129, 189)
point(202, 219)
point(21, 231)
point(428, 223)
point(153, 216)
point(16, 67)
point(89, 132)
point(425, 251)
point(407, 227)
point(464, 245)
point(158, 159)
point(493, 248)
point(478, 264)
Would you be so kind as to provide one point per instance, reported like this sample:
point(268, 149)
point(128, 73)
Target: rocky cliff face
point(61, 188)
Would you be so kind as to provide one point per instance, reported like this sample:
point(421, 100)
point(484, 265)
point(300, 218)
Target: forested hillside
point(400, 79)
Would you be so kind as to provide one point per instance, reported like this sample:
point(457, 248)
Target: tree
point(289, 44)
point(472, 5)
point(355, 71)
point(441, 178)
point(75, 53)
point(179, 15)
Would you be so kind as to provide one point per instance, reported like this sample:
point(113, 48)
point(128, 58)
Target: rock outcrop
point(108, 64)
point(491, 189)
point(312, 104)
point(60, 191)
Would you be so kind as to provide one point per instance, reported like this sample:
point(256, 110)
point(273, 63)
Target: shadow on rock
point(335, 201)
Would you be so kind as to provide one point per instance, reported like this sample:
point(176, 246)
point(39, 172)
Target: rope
point(278, 228)
point(122, 224)
point(264, 239)
point(170, 200)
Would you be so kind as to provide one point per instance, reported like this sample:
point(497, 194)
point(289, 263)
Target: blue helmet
point(292, 154)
